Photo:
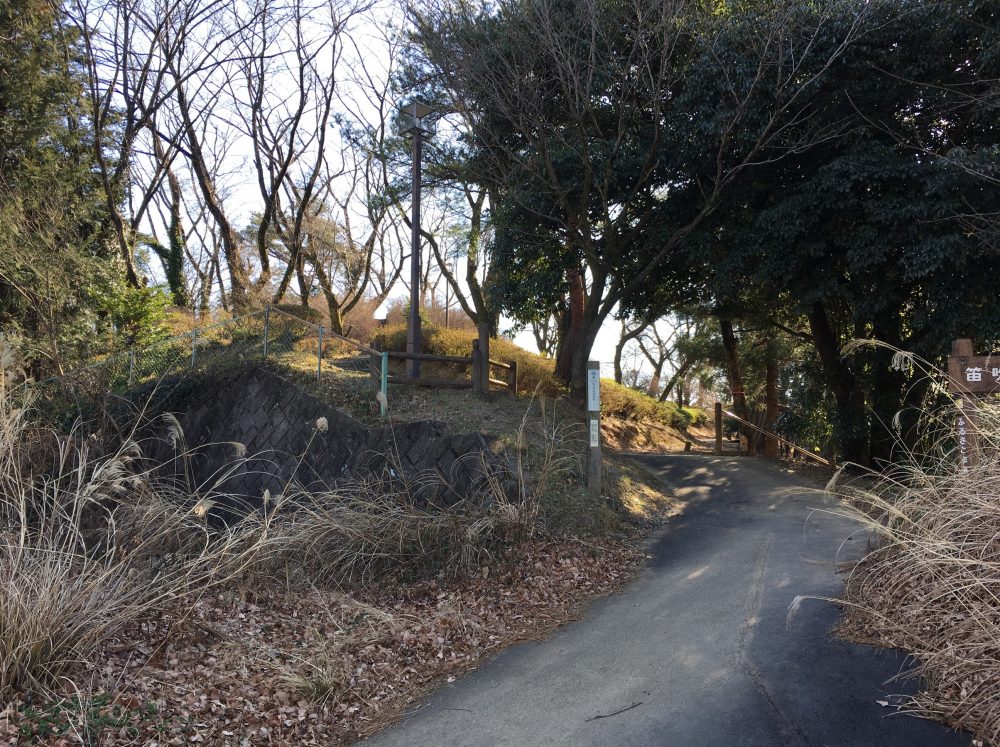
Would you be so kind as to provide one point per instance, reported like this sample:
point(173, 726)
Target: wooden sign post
point(970, 377)
point(718, 427)
point(594, 426)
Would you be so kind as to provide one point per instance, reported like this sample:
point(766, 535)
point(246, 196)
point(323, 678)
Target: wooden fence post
point(484, 357)
point(383, 384)
point(718, 427)
point(512, 378)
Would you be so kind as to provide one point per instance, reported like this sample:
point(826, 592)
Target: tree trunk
point(333, 304)
point(175, 247)
point(850, 425)
point(653, 389)
point(678, 376)
point(734, 373)
point(239, 280)
point(300, 273)
point(336, 317)
point(626, 335)
point(571, 339)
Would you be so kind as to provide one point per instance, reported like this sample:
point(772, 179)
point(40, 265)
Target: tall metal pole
point(414, 341)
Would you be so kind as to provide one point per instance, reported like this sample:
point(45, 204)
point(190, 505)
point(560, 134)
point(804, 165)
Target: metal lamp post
point(416, 120)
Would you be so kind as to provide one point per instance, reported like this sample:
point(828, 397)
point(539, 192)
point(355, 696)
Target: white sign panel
point(595, 433)
point(593, 390)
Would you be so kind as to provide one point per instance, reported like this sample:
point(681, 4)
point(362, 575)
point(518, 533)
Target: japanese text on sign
point(963, 442)
point(593, 390)
point(976, 374)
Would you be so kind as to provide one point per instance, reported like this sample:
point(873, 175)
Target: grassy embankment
point(542, 413)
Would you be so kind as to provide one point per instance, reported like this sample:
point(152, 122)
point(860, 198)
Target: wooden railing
point(795, 448)
point(480, 365)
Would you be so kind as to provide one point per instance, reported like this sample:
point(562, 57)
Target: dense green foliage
point(818, 172)
point(62, 291)
point(862, 236)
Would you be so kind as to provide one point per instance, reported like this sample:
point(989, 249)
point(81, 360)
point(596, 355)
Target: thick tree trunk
point(572, 337)
point(850, 424)
point(581, 356)
point(336, 317)
point(175, 259)
point(734, 373)
point(334, 305)
point(654, 381)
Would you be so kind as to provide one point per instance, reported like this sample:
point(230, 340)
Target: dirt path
point(700, 650)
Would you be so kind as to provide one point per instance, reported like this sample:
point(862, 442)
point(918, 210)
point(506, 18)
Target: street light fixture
point(416, 120)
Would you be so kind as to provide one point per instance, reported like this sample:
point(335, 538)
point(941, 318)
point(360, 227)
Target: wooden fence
point(480, 365)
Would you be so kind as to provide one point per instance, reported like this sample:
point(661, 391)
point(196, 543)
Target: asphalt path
point(701, 649)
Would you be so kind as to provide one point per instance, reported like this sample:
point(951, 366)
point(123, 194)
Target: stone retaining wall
point(276, 423)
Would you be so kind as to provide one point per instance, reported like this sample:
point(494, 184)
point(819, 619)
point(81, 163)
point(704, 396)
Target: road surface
point(700, 649)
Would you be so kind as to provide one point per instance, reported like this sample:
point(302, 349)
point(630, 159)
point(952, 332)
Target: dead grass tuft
point(931, 583)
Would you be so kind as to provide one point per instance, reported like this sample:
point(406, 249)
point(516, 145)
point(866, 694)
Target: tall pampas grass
point(90, 543)
point(930, 585)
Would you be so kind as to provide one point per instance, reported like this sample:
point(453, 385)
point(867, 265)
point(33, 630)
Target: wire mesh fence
point(270, 334)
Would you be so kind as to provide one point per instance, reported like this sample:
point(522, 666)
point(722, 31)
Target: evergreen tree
point(61, 286)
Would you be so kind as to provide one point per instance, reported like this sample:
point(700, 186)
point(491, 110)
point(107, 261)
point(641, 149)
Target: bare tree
point(139, 56)
point(468, 232)
point(545, 332)
point(628, 333)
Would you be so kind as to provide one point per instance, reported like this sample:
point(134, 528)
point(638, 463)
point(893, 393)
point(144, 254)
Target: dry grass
point(80, 558)
point(100, 556)
point(931, 584)
point(92, 542)
point(368, 529)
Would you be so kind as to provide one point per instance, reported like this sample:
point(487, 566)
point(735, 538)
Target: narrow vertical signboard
point(594, 426)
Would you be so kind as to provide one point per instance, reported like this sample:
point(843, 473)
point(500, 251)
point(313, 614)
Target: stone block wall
point(276, 423)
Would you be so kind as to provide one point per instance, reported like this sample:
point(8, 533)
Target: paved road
point(701, 641)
